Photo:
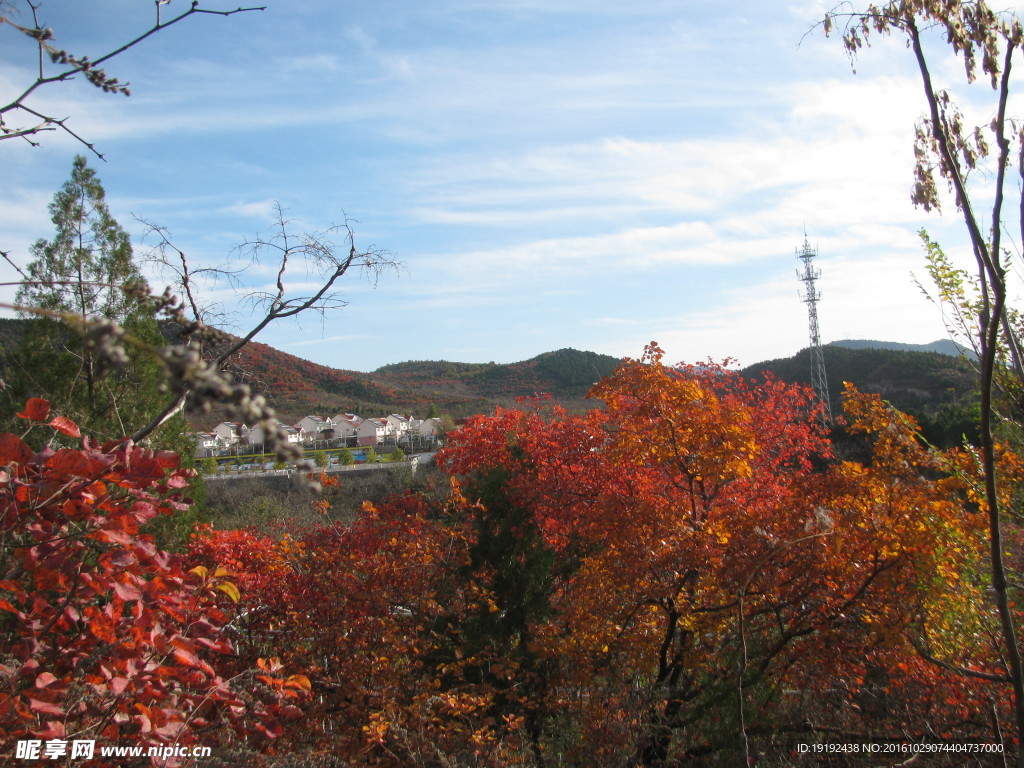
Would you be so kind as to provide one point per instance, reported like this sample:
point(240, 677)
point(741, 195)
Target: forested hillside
point(939, 390)
point(936, 388)
point(298, 387)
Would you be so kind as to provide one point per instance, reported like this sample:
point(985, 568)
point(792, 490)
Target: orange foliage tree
point(687, 573)
point(730, 579)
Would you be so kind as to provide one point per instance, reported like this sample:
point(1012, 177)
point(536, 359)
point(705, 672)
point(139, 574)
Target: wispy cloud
point(325, 340)
point(567, 172)
point(264, 210)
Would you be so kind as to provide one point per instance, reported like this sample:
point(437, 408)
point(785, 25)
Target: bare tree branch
point(172, 263)
point(7, 257)
point(70, 66)
point(199, 379)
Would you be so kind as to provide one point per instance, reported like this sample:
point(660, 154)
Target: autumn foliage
point(689, 574)
point(694, 573)
point(103, 636)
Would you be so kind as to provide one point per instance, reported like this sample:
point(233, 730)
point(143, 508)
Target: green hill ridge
point(936, 387)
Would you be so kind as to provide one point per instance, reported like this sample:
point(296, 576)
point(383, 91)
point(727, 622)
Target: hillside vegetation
point(298, 387)
point(931, 386)
point(937, 389)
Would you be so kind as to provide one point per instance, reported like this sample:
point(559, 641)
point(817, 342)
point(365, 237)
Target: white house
point(257, 436)
point(399, 424)
point(346, 425)
point(429, 427)
point(207, 444)
point(229, 432)
point(372, 431)
point(314, 428)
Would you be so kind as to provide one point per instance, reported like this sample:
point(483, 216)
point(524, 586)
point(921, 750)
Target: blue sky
point(550, 174)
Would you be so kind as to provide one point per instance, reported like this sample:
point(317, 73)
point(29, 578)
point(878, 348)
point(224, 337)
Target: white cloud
point(264, 210)
point(626, 171)
point(324, 340)
point(315, 64)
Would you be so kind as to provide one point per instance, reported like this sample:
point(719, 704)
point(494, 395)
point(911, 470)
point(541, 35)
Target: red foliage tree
point(103, 636)
point(728, 578)
point(366, 610)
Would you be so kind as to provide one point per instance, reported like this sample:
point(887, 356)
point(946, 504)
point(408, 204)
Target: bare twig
point(202, 380)
point(70, 66)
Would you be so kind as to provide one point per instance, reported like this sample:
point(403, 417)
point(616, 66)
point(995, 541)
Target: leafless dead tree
point(198, 365)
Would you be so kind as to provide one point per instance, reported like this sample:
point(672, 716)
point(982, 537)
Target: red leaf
point(271, 729)
point(113, 536)
point(168, 459)
point(45, 707)
point(127, 592)
point(177, 481)
point(36, 409)
point(145, 724)
point(13, 448)
point(44, 679)
point(184, 652)
point(70, 462)
point(12, 586)
point(170, 730)
point(65, 425)
point(54, 730)
point(218, 646)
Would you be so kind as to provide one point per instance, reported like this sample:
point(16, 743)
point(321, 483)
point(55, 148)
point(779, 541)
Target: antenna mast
point(810, 296)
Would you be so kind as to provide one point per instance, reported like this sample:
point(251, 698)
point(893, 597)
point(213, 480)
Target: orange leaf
point(298, 681)
point(100, 625)
point(5, 605)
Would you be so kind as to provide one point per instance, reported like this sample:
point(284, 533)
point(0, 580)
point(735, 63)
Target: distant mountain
point(924, 383)
point(299, 387)
point(942, 346)
point(938, 389)
point(935, 386)
point(910, 380)
point(564, 373)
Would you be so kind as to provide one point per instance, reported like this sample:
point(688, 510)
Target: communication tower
point(811, 295)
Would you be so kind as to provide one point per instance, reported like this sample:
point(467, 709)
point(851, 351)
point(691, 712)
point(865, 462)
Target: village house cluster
point(314, 432)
